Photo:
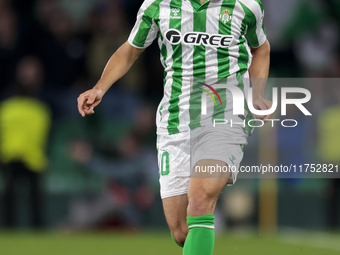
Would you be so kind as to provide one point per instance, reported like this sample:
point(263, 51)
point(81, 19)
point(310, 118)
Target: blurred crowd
point(50, 52)
point(104, 167)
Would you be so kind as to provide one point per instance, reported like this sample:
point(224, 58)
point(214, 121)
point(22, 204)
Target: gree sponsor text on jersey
point(199, 38)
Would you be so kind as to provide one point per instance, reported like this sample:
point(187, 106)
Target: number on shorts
point(165, 164)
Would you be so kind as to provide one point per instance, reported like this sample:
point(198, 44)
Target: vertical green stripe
point(223, 60)
point(146, 24)
point(243, 58)
point(164, 54)
point(143, 31)
point(196, 4)
point(250, 21)
point(200, 21)
point(260, 3)
point(240, 81)
point(163, 49)
point(264, 30)
point(223, 53)
point(244, 55)
point(176, 87)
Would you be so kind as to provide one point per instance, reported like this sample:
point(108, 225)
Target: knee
point(201, 204)
point(180, 235)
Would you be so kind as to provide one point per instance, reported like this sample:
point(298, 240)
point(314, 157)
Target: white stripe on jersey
point(257, 11)
point(153, 31)
point(211, 58)
point(235, 31)
point(165, 12)
point(187, 25)
point(214, 63)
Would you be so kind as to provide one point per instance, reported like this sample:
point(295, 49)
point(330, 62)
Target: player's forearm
point(259, 69)
point(118, 65)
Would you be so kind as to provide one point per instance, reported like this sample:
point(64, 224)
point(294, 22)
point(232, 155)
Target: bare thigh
point(175, 210)
point(200, 200)
point(204, 192)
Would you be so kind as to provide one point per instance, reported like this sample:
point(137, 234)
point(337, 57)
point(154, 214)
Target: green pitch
point(161, 243)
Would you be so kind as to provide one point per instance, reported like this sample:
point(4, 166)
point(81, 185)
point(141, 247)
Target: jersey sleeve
point(256, 33)
point(145, 29)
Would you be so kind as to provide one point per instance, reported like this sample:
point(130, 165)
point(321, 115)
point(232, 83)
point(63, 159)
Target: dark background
point(102, 170)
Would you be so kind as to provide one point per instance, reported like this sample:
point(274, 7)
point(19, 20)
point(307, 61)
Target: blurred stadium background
point(72, 185)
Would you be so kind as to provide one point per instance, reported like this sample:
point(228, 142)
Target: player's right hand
point(262, 105)
point(88, 100)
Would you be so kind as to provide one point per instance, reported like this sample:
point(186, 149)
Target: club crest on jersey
point(226, 16)
point(175, 12)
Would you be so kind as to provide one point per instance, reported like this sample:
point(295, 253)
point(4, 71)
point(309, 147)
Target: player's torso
point(196, 37)
point(199, 44)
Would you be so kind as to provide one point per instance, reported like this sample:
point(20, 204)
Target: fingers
point(268, 105)
point(81, 101)
point(263, 104)
point(84, 107)
point(260, 105)
point(88, 110)
point(91, 98)
point(87, 102)
point(91, 102)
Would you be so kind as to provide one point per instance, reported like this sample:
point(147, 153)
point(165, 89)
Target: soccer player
point(203, 44)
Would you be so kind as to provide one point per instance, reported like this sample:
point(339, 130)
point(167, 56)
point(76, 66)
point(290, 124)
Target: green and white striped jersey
point(200, 44)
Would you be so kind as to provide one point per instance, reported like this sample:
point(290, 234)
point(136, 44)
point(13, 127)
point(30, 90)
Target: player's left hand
point(262, 104)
